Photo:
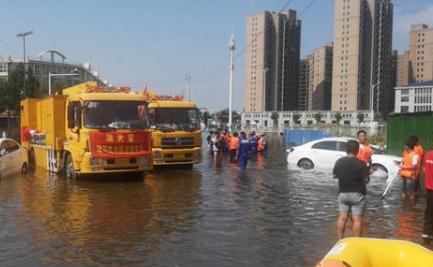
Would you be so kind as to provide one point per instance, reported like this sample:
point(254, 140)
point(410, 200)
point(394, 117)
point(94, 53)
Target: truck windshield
point(171, 119)
point(112, 114)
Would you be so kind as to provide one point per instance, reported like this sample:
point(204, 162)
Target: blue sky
point(134, 42)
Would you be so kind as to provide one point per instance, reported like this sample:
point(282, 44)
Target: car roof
point(342, 139)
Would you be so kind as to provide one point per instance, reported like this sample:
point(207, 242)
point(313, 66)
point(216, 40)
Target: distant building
point(421, 53)
point(272, 61)
point(393, 82)
point(41, 68)
point(315, 80)
point(286, 119)
point(403, 69)
point(355, 23)
point(320, 96)
point(416, 97)
point(305, 81)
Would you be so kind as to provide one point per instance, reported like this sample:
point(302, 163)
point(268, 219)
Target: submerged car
point(323, 153)
point(13, 158)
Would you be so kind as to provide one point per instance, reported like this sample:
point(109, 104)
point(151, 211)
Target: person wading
point(409, 171)
point(262, 144)
point(419, 150)
point(365, 150)
point(234, 143)
point(352, 175)
point(218, 147)
point(244, 149)
point(428, 215)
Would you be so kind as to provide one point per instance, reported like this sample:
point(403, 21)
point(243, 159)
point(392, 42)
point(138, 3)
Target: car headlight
point(157, 155)
point(94, 161)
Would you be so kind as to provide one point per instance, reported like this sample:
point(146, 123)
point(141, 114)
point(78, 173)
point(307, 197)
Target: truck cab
point(176, 133)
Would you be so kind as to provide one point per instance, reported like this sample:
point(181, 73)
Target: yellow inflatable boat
point(368, 252)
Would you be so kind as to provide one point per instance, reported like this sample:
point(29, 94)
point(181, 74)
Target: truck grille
point(179, 141)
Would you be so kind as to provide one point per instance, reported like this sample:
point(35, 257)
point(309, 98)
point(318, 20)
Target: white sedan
point(13, 158)
point(323, 153)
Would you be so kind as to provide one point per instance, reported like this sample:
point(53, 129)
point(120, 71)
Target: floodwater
point(268, 215)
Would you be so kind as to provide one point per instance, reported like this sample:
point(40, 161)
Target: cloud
point(403, 22)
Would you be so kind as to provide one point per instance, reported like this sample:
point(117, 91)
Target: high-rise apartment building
point(305, 82)
point(320, 95)
point(272, 61)
point(363, 34)
point(421, 54)
point(404, 71)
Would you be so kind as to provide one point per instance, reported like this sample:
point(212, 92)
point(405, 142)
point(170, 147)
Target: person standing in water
point(244, 149)
point(353, 175)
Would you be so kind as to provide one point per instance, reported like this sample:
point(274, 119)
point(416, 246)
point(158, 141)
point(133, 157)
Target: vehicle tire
point(69, 167)
point(306, 164)
point(32, 161)
point(378, 167)
point(24, 168)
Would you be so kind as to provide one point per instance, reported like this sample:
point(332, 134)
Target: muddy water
point(268, 215)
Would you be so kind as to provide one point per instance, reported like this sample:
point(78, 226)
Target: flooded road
point(209, 216)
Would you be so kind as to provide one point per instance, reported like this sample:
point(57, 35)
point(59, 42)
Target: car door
point(14, 157)
point(341, 150)
point(5, 169)
point(325, 154)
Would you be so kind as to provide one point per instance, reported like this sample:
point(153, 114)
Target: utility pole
point(232, 46)
point(372, 85)
point(188, 86)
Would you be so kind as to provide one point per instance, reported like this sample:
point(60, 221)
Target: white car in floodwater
point(13, 158)
point(323, 153)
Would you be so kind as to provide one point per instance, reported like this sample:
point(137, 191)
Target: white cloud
point(403, 22)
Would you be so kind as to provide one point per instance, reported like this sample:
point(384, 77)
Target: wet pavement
point(268, 215)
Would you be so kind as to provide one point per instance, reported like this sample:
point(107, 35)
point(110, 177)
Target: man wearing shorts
point(352, 175)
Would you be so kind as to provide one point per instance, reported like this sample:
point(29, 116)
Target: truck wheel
point(32, 161)
point(69, 167)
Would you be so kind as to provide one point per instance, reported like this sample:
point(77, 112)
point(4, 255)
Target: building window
point(404, 109)
point(404, 99)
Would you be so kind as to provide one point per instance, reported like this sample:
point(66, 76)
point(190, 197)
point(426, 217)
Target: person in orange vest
point(234, 143)
point(409, 170)
point(365, 150)
point(262, 144)
point(420, 151)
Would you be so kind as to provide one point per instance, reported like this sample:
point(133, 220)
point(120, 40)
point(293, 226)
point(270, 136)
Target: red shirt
point(428, 174)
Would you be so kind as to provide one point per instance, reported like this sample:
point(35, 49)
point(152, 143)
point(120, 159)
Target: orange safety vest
point(407, 162)
point(365, 152)
point(419, 150)
point(234, 142)
point(261, 144)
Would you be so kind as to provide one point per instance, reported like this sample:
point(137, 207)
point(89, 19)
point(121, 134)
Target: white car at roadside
point(13, 158)
point(323, 153)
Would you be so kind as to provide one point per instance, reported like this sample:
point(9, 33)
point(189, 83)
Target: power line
point(307, 7)
point(10, 47)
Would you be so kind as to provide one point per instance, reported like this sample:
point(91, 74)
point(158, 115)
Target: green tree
point(338, 117)
point(295, 118)
point(360, 117)
point(10, 90)
point(275, 116)
point(378, 117)
point(318, 117)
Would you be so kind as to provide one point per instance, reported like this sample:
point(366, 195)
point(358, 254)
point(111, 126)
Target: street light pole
point(232, 46)
point(23, 35)
point(264, 97)
point(57, 75)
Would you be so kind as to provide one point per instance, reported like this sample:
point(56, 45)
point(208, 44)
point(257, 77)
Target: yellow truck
point(176, 133)
point(88, 129)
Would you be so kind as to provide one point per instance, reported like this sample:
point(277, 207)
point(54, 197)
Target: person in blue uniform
point(244, 149)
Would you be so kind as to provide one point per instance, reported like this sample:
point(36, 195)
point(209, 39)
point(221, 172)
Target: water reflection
point(267, 215)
